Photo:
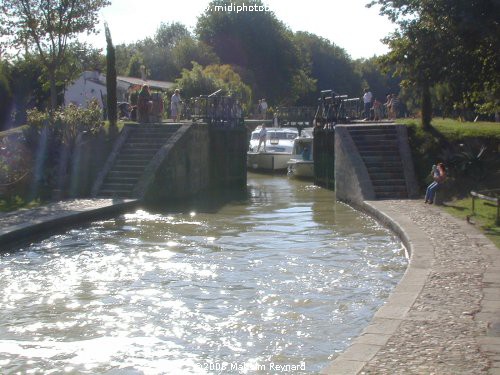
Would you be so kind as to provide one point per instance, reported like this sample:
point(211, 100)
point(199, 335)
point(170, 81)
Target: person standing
point(175, 105)
point(377, 110)
point(262, 137)
point(144, 104)
point(367, 101)
point(263, 109)
point(388, 106)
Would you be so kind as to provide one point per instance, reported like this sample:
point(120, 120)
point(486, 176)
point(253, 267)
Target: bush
point(471, 158)
point(52, 139)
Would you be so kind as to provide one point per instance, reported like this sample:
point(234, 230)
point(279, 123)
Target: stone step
point(120, 180)
point(356, 132)
point(384, 165)
point(371, 147)
point(125, 173)
point(117, 187)
point(381, 159)
point(381, 153)
point(147, 140)
point(373, 139)
point(127, 168)
point(397, 175)
point(130, 163)
point(388, 182)
point(150, 134)
point(373, 127)
point(151, 143)
point(138, 151)
point(144, 159)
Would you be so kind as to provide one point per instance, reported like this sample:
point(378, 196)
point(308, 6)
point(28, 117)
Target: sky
point(347, 23)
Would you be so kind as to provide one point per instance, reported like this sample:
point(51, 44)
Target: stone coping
point(410, 307)
point(21, 226)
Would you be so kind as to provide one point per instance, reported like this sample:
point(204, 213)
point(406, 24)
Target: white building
point(92, 85)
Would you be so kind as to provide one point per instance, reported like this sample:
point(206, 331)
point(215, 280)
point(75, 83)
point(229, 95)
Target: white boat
point(301, 164)
point(277, 151)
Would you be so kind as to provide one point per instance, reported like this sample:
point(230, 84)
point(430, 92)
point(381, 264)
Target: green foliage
point(169, 35)
point(257, 43)
point(73, 120)
point(134, 66)
point(79, 57)
point(203, 81)
point(64, 124)
point(5, 95)
point(16, 202)
point(15, 161)
point(484, 216)
point(469, 150)
point(111, 101)
point(46, 27)
point(188, 50)
point(453, 43)
point(329, 65)
point(379, 79)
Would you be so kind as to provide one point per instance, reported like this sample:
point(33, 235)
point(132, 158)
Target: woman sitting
point(439, 176)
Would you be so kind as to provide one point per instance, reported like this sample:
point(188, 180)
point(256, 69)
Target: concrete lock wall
point(198, 158)
point(352, 182)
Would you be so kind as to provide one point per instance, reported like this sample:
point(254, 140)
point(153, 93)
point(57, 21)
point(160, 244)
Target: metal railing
point(214, 109)
point(295, 116)
point(335, 109)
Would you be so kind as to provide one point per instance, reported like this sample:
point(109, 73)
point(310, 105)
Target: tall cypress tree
point(110, 79)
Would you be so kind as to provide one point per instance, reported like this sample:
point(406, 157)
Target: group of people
point(373, 105)
point(145, 105)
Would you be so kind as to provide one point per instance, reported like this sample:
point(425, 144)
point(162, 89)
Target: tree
point(5, 95)
point(190, 49)
point(452, 42)
point(134, 66)
point(202, 81)
point(329, 65)
point(111, 100)
point(28, 87)
point(169, 35)
point(380, 80)
point(256, 44)
point(46, 27)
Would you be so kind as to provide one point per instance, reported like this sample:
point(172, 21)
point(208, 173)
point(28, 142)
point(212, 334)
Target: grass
point(455, 130)
point(430, 146)
point(484, 217)
point(15, 203)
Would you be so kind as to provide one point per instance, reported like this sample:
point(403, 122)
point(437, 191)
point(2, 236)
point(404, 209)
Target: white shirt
point(262, 133)
point(176, 99)
point(367, 98)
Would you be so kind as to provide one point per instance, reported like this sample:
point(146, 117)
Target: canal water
point(279, 275)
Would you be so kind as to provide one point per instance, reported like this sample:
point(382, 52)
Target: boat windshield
point(276, 135)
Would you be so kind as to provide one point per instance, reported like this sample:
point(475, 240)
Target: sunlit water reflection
point(282, 276)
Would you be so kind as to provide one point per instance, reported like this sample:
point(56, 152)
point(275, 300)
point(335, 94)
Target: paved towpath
point(444, 316)
point(19, 225)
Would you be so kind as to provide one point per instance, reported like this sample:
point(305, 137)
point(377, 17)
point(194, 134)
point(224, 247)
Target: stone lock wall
point(197, 158)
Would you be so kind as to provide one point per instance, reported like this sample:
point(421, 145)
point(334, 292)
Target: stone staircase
point(378, 147)
point(141, 145)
